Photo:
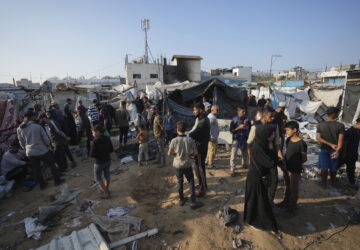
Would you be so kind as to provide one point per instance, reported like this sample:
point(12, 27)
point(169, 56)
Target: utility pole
point(145, 26)
point(271, 62)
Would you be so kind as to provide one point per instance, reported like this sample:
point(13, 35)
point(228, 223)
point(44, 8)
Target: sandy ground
point(154, 192)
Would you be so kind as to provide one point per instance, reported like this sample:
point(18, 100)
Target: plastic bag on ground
point(32, 228)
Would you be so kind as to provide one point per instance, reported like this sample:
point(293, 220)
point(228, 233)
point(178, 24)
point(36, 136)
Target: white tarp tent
point(329, 97)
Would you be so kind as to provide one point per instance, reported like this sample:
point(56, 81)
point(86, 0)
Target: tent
point(351, 107)
point(228, 98)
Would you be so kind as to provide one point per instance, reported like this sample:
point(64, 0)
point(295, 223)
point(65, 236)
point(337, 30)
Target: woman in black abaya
point(258, 211)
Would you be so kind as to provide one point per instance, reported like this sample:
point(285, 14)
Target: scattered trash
point(75, 223)
point(322, 215)
point(164, 243)
point(354, 218)
point(240, 243)
point(5, 187)
point(310, 227)
point(237, 229)
point(66, 195)
point(75, 174)
point(212, 192)
point(88, 204)
point(11, 214)
point(178, 232)
point(134, 237)
point(28, 186)
point(228, 215)
point(126, 160)
point(341, 210)
point(334, 194)
point(239, 191)
point(49, 211)
point(33, 228)
point(332, 226)
point(119, 211)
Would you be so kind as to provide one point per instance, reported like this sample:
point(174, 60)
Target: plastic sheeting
point(329, 97)
point(352, 95)
point(299, 100)
point(262, 91)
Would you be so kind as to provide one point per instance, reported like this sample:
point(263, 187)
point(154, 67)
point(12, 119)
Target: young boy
point(295, 155)
point(143, 138)
point(182, 147)
point(101, 150)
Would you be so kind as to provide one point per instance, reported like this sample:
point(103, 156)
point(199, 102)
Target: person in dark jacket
point(101, 150)
point(201, 134)
point(70, 121)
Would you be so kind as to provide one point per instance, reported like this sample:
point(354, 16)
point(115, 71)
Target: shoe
point(59, 182)
point(210, 166)
point(199, 194)
point(182, 202)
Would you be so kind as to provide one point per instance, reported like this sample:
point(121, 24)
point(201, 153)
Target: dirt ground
point(154, 192)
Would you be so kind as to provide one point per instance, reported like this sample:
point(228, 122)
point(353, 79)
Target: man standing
point(201, 134)
point(207, 106)
point(69, 118)
point(252, 101)
point(267, 119)
point(104, 117)
point(330, 134)
point(280, 119)
point(262, 101)
point(159, 134)
point(34, 140)
point(239, 128)
point(350, 151)
point(214, 134)
point(122, 119)
point(85, 124)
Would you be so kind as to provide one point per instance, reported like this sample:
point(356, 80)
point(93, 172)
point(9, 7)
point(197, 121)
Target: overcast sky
point(91, 37)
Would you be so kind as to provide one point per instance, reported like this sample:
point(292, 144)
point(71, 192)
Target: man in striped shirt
point(93, 113)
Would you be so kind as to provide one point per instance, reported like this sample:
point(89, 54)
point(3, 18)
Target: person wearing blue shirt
point(239, 128)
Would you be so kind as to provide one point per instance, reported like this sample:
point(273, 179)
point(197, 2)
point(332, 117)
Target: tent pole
point(343, 99)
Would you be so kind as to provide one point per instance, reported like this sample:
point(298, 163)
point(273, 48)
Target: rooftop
point(186, 57)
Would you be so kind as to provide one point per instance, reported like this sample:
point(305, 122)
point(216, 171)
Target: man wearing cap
point(159, 134)
point(280, 119)
point(34, 140)
point(207, 106)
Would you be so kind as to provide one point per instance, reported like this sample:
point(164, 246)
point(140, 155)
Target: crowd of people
point(263, 141)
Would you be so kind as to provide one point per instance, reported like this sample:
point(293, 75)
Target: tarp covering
point(352, 96)
point(292, 84)
point(329, 97)
point(299, 100)
point(226, 97)
point(262, 91)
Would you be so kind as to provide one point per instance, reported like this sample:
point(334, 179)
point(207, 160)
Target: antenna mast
point(145, 26)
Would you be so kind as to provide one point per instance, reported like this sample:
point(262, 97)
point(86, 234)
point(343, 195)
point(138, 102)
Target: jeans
point(102, 168)
point(243, 156)
point(123, 134)
point(47, 158)
point(169, 135)
point(143, 152)
point(325, 161)
point(188, 172)
point(200, 169)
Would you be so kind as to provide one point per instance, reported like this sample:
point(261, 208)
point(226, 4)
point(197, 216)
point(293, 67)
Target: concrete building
point(187, 67)
point(241, 73)
point(143, 73)
point(27, 84)
point(296, 73)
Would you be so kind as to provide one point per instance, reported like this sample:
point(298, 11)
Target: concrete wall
point(188, 69)
point(145, 70)
point(170, 74)
point(243, 73)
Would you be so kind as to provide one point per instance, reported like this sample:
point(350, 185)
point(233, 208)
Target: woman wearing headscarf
point(258, 211)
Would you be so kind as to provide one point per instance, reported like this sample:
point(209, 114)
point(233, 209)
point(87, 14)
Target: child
point(82, 144)
point(101, 150)
point(143, 138)
point(181, 148)
point(295, 155)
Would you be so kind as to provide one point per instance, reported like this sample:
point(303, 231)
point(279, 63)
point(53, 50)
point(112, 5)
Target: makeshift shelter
point(351, 108)
point(228, 98)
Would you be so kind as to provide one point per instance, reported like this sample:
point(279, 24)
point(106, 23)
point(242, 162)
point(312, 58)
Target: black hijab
point(261, 155)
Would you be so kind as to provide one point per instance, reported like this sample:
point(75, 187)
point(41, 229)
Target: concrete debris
point(33, 228)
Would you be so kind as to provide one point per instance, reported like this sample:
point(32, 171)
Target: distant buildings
point(27, 84)
point(240, 73)
point(296, 73)
point(337, 74)
point(184, 67)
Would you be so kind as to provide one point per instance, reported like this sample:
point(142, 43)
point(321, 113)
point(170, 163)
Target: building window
point(154, 76)
point(136, 76)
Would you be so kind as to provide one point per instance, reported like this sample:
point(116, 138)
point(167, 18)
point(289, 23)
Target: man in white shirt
point(214, 134)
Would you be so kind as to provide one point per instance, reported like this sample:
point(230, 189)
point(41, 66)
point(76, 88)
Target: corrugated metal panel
point(88, 238)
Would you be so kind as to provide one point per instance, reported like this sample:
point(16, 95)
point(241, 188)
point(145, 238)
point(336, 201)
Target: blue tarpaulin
point(336, 81)
point(293, 84)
